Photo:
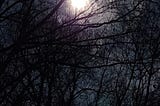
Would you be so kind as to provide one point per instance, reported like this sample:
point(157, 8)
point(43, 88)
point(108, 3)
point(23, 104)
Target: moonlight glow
point(79, 4)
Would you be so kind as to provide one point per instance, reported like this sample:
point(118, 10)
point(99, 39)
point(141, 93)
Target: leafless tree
point(105, 54)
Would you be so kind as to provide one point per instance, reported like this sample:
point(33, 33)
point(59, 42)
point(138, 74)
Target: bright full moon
point(79, 4)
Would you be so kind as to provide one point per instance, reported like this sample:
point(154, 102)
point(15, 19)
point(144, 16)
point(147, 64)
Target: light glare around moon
point(79, 4)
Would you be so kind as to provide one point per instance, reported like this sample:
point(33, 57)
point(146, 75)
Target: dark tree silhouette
point(106, 54)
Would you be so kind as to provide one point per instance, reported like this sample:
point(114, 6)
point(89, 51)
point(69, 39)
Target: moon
point(79, 4)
